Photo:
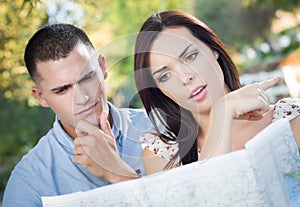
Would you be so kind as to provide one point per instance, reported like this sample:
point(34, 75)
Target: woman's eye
point(164, 77)
point(191, 57)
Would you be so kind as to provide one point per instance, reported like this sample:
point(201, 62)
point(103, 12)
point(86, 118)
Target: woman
point(191, 91)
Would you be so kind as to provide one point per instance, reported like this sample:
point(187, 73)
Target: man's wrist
point(115, 178)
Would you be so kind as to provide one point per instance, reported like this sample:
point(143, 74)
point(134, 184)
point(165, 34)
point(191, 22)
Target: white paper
point(249, 177)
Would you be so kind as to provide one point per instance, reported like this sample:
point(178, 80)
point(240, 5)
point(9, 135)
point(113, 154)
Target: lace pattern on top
point(285, 108)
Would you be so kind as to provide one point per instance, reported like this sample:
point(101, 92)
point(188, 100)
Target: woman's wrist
point(224, 108)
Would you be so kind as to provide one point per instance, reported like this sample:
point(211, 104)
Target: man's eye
point(164, 77)
point(191, 57)
point(62, 89)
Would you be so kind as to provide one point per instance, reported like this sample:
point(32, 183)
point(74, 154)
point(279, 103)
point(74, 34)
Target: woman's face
point(186, 70)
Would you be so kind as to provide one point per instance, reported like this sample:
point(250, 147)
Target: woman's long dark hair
point(178, 123)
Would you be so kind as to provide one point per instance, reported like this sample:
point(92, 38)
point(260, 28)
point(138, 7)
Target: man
point(62, 62)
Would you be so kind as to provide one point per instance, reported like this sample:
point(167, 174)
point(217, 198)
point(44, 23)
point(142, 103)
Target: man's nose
point(81, 95)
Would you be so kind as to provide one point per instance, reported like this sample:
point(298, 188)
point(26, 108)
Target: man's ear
point(101, 61)
point(39, 95)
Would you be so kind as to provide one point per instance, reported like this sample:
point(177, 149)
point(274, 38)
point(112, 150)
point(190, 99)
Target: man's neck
point(69, 130)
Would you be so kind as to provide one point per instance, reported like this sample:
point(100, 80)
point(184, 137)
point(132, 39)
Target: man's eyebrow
point(184, 51)
point(86, 76)
point(68, 85)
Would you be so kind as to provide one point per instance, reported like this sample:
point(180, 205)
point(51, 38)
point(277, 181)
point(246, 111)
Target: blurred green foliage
point(235, 23)
point(112, 26)
point(18, 20)
point(21, 127)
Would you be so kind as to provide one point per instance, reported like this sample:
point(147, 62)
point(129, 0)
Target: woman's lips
point(198, 93)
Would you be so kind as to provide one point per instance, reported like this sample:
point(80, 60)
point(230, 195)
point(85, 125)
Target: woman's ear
point(102, 65)
point(216, 54)
point(39, 95)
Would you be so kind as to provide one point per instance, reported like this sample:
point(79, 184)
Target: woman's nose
point(187, 78)
point(187, 74)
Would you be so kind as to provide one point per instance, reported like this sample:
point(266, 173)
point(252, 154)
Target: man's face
point(73, 88)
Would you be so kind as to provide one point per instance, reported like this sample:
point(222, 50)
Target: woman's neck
point(203, 123)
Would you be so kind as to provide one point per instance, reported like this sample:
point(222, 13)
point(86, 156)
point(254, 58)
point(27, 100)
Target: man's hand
point(95, 149)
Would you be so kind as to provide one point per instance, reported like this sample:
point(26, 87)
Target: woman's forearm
point(219, 138)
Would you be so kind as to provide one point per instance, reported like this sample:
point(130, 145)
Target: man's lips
point(87, 109)
point(197, 90)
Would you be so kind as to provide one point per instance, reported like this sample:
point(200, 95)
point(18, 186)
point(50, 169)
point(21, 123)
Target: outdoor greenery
point(112, 25)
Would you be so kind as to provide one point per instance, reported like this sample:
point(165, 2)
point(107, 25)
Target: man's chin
point(92, 119)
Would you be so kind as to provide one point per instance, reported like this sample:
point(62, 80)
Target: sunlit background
point(263, 36)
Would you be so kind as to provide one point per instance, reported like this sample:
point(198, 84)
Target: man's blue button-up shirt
point(48, 170)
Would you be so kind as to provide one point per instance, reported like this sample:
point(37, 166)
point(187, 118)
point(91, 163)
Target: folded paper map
point(265, 173)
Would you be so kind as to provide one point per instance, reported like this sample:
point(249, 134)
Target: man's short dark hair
point(52, 42)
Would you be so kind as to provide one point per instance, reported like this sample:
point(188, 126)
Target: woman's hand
point(95, 149)
point(249, 102)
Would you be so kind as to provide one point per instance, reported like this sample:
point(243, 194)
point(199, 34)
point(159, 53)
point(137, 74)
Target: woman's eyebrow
point(184, 51)
point(159, 70)
point(179, 56)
